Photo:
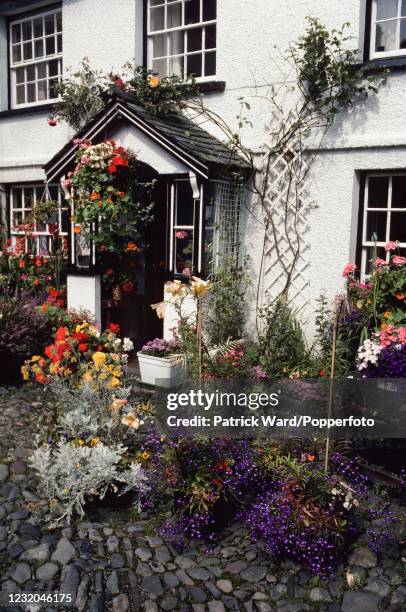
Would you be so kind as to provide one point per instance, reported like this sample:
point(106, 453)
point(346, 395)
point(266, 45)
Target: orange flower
point(131, 246)
point(153, 81)
point(76, 229)
point(21, 263)
point(99, 203)
point(95, 195)
point(121, 194)
point(387, 314)
point(400, 295)
point(311, 458)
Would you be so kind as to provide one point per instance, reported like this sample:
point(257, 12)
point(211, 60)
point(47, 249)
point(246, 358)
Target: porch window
point(182, 37)
point(388, 28)
point(383, 217)
point(35, 58)
point(36, 238)
point(185, 216)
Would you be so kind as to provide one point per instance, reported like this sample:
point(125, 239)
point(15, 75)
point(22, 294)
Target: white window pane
point(160, 66)
point(157, 19)
point(17, 197)
point(194, 39)
point(402, 42)
point(403, 9)
point(50, 24)
point(399, 192)
point(386, 9)
point(31, 93)
point(176, 42)
point(39, 48)
point(192, 11)
point(20, 91)
point(20, 75)
point(28, 197)
point(38, 27)
point(209, 10)
point(156, 2)
point(398, 226)
point(386, 39)
point(27, 51)
point(42, 70)
point(210, 37)
point(30, 73)
point(50, 45)
point(174, 15)
point(183, 250)
point(27, 30)
point(59, 22)
point(17, 53)
point(210, 64)
point(59, 43)
point(53, 68)
point(159, 45)
point(376, 226)
point(194, 64)
point(176, 65)
point(43, 245)
point(16, 33)
point(378, 191)
point(42, 90)
point(52, 83)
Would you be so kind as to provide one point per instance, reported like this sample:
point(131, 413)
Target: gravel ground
point(116, 562)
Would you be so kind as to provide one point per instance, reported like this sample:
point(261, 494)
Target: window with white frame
point(38, 237)
point(35, 58)
point(182, 37)
point(383, 217)
point(185, 215)
point(388, 28)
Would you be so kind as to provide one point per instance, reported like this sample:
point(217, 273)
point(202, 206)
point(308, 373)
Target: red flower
point(128, 286)
point(61, 334)
point(38, 262)
point(117, 160)
point(21, 263)
point(80, 336)
point(52, 121)
point(83, 347)
point(322, 372)
point(115, 328)
point(53, 229)
point(109, 272)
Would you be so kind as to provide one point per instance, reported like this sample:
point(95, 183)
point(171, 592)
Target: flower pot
point(160, 371)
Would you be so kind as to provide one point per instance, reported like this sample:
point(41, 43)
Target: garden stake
point(331, 387)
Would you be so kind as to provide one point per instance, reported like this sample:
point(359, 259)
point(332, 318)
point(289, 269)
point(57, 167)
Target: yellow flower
point(117, 404)
point(114, 382)
point(387, 314)
point(88, 376)
point(200, 287)
point(117, 372)
point(131, 421)
point(160, 309)
point(145, 455)
point(175, 288)
point(99, 359)
point(80, 442)
point(35, 358)
point(94, 441)
point(25, 373)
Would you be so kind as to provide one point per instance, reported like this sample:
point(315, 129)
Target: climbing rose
point(349, 269)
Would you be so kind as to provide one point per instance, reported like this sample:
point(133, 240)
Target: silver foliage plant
point(69, 474)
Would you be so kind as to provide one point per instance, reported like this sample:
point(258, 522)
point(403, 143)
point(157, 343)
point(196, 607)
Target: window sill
point(393, 64)
point(26, 110)
point(206, 87)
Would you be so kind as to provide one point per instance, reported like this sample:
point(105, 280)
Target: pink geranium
point(380, 262)
point(349, 269)
point(399, 261)
point(391, 246)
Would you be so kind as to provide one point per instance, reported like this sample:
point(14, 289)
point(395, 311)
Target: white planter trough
point(160, 371)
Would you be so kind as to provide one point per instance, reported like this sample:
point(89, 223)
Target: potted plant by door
point(158, 365)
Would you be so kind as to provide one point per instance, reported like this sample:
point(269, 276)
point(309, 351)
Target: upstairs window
point(35, 58)
point(182, 37)
point(383, 217)
point(388, 34)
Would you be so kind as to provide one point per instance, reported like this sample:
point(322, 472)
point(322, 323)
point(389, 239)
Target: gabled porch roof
point(193, 147)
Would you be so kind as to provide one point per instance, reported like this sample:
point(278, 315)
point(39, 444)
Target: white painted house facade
point(357, 186)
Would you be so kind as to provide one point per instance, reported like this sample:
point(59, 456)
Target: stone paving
point(115, 561)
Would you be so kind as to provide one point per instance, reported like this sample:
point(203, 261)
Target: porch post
point(84, 293)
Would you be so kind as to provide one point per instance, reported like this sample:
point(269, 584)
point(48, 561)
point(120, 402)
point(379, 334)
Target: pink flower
point(380, 262)
point(399, 261)
point(85, 159)
point(23, 277)
point(186, 271)
point(67, 183)
point(52, 121)
point(349, 269)
point(77, 141)
point(181, 234)
point(391, 246)
point(259, 373)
